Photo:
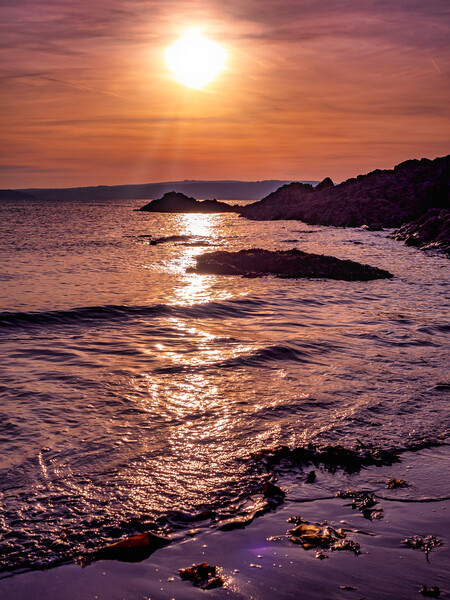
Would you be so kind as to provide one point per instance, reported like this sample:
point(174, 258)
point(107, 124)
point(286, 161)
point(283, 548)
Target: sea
point(136, 395)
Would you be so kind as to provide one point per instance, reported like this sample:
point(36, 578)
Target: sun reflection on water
point(195, 289)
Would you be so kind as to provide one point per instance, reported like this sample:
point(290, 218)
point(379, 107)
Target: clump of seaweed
point(393, 483)
point(320, 537)
point(241, 514)
point(427, 543)
point(363, 501)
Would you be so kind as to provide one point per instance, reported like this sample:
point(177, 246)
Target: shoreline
point(260, 562)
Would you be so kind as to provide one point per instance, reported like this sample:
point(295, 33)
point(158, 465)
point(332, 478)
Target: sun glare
point(195, 60)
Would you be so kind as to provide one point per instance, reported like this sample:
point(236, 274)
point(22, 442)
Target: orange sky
point(311, 89)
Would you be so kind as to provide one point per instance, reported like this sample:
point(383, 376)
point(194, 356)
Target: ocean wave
point(91, 315)
point(262, 357)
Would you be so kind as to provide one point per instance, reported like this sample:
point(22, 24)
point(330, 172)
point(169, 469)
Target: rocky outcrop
point(381, 198)
point(431, 231)
point(176, 202)
point(294, 263)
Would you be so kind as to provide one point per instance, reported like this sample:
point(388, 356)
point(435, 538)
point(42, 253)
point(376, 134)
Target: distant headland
point(221, 189)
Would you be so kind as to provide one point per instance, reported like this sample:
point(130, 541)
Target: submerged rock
point(294, 263)
point(176, 202)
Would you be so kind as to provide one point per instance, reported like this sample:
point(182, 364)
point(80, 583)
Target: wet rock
point(132, 549)
point(372, 227)
point(284, 263)
point(273, 491)
point(432, 592)
point(311, 477)
point(203, 576)
point(176, 202)
point(431, 231)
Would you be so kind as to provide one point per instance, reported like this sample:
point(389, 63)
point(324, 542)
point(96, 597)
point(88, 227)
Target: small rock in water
point(273, 491)
point(311, 477)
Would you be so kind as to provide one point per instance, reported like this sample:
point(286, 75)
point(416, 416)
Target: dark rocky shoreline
point(386, 198)
point(413, 197)
point(431, 231)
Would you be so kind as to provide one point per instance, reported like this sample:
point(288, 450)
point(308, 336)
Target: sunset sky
point(311, 89)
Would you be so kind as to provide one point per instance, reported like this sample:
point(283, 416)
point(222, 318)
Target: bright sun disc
point(195, 60)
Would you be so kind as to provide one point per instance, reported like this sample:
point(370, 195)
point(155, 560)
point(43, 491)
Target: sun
point(195, 60)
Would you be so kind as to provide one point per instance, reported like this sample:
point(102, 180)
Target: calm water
point(134, 394)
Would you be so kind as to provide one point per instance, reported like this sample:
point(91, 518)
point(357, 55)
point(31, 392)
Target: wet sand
point(260, 562)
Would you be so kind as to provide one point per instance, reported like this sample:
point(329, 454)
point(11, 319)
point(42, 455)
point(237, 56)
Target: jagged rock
point(327, 182)
point(284, 263)
point(428, 232)
point(176, 202)
point(385, 198)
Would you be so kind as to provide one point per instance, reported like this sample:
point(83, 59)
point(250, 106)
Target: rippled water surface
point(134, 394)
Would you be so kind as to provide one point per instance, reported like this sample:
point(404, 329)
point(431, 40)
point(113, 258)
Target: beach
point(260, 561)
point(139, 396)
